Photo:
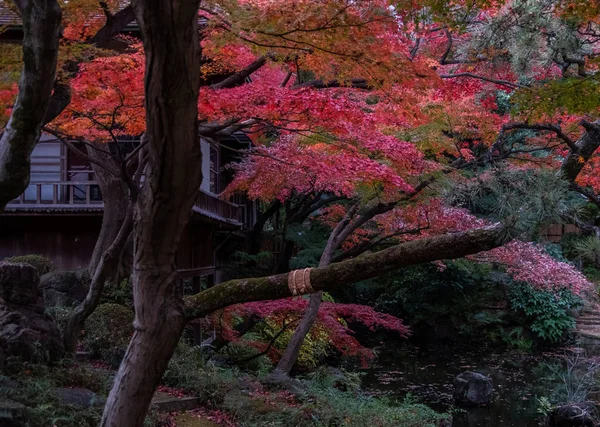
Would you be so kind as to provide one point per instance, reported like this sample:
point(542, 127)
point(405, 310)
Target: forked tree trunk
point(170, 35)
point(292, 351)
point(41, 29)
point(115, 196)
point(103, 271)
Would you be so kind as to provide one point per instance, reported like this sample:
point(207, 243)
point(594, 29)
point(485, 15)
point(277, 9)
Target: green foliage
point(42, 264)
point(118, 293)
point(247, 357)
point(527, 199)
point(326, 377)
point(35, 389)
point(315, 405)
point(588, 249)
point(108, 332)
point(571, 95)
point(311, 241)
point(243, 264)
point(548, 311)
point(189, 371)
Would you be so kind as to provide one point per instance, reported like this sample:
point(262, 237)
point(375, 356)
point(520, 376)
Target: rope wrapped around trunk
point(299, 282)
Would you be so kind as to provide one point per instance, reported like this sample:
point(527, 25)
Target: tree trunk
point(103, 271)
point(292, 351)
point(336, 275)
point(170, 35)
point(41, 31)
point(256, 235)
point(115, 196)
point(586, 145)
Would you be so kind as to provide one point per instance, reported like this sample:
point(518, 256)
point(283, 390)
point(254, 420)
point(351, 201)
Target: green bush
point(42, 264)
point(548, 311)
point(189, 371)
point(323, 407)
point(118, 293)
point(108, 332)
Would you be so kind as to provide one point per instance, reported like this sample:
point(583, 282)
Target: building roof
point(10, 18)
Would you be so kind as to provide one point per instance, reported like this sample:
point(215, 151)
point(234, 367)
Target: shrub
point(189, 371)
point(42, 264)
point(108, 332)
point(548, 311)
point(118, 293)
point(319, 406)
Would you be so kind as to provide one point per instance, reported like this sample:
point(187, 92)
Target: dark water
point(427, 374)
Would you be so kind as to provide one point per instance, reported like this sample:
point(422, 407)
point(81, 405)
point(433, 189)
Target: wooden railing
point(210, 205)
point(61, 193)
point(83, 194)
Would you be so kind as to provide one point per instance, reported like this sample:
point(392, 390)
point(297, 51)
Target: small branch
point(240, 76)
point(487, 79)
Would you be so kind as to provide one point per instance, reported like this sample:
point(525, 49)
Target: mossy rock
point(42, 264)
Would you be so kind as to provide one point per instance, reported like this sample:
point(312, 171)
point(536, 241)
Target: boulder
point(79, 398)
point(584, 414)
point(65, 288)
point(473, 389)
point(19, 283)
point(25, 330)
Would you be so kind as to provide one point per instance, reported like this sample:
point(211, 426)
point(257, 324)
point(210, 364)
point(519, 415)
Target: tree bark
point(105, 268)
point(585, 146)
point(115, 196)
point(170, 34)
point(336, 275)
point(41, 31)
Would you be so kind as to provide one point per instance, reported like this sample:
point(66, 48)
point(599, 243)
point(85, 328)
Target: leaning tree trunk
point(115, 196)
point(170, 35)
point(292, 351)
point(339, 274)
point(41, 31)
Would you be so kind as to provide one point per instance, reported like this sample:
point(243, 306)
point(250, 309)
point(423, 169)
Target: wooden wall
point(67, 240)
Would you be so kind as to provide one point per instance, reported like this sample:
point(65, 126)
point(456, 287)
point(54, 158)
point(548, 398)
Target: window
point(214, 170)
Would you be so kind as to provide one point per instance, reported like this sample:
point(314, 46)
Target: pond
point(427, 375)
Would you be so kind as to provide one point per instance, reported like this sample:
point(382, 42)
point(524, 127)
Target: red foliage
point(332, 319)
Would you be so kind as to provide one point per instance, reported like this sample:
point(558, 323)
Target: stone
point(12, 414)
point(473, 389)
point(18, 283)
point(25, 330)
point(584, 414)
point(79, 398)
point(446, 422)
point(164, 402)
point(64, 288)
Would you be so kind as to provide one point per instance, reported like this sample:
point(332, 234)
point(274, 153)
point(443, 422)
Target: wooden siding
point(67, 240)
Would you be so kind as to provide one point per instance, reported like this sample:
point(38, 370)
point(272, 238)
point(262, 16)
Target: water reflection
point(427, 374)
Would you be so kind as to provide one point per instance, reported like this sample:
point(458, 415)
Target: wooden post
point(38, 195)
point(55, 193)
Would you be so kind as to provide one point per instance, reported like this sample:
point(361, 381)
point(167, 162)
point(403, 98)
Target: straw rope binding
point(299, 282)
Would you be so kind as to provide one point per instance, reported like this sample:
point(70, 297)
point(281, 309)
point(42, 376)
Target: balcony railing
point(85, 195)
point(60, 194)
point(210, 205)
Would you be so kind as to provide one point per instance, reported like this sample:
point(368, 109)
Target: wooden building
point(60, 213)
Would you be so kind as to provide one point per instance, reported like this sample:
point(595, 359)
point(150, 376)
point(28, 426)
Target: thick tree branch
point(239, 77)
point(487, 79)
point(41, 27)
point(114, 25)
point(320, 84)
point(333, 276)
